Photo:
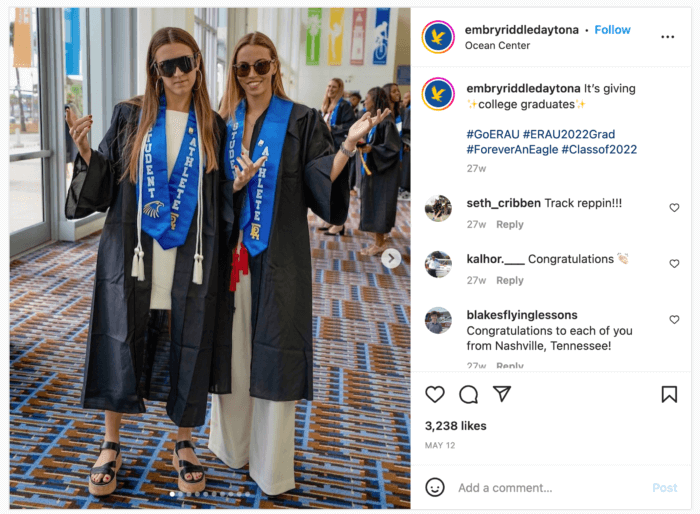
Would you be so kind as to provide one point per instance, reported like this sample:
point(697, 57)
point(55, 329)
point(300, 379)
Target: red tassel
point(239, 263)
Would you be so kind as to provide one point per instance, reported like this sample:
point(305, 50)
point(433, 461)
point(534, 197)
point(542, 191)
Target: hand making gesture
point(79, 128)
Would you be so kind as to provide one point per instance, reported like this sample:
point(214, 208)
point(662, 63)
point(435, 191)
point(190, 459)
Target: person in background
point(339, 116)
point(381, 169)
point(355, 99)
point(407, 100)
point(405, 182)
point(394, 95)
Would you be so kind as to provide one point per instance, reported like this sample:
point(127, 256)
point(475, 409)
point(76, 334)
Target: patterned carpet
point(352, 441)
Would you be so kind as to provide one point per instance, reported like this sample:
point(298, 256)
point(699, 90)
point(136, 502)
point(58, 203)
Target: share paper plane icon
point(502, 391)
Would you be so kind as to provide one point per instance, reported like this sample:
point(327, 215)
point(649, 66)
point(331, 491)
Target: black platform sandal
point(111, 468)
point(183, 467)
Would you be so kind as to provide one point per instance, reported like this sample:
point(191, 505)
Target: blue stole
point(169, 204)
point(256, 216)
point(334, 114)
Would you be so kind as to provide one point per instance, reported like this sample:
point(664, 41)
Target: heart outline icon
point(674, 319)
point(674, 263)
point(674, 207)
point(434, 391)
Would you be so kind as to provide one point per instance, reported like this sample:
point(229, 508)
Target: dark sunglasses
point(261, 68)
point(186, 63)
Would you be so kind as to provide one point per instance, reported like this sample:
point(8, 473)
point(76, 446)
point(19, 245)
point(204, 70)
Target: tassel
point(135, 264)
point(142, 273)
point(197, 275)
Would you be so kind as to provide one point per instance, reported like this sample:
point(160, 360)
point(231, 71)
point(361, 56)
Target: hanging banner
point(313, 36)
point(71, 17)
point(381, 36)
point(335, 37)
point(357, 45)
point(23, 38)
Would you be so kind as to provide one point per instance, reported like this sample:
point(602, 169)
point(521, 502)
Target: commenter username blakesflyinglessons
point(538, 30)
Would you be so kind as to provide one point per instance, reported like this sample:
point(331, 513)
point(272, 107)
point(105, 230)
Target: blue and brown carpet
point(352, 441)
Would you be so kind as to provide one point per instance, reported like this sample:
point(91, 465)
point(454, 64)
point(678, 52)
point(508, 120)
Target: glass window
point(24, 83)
point(26, 178)
point(26, 194)
point(210, 33)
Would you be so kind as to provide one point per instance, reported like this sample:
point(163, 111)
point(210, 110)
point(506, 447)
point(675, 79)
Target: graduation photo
point(210, 257)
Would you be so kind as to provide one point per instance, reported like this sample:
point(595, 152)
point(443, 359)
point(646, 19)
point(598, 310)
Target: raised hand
point(246, 170)
point(362, 126)
point(79, 128)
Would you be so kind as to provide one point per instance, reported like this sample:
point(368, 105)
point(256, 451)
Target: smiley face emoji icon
point(435, 487)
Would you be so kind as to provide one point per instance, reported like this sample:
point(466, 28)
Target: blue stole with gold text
point(256, 216)
point(168, 204)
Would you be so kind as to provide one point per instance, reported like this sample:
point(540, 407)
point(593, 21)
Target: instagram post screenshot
point(407, 256)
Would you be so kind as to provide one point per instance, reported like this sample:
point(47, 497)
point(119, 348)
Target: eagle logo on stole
point(151, 208)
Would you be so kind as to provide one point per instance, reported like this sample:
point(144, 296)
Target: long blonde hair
point(234, 92)
point(150, 102)
point(326, 107)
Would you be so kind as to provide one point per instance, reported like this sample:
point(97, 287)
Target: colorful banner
point(335, 37)
point(380, 48)
point(357, 45)
point(71, 17)
point(313, 36)
point(23, 38)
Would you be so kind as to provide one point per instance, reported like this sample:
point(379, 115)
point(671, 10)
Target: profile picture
point(438, 208)
point(438, 320)
point(438, 264)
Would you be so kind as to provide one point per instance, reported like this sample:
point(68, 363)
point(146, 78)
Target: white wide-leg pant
point(250, 430)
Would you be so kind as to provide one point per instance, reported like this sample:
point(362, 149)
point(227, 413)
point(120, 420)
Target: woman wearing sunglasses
point(158, 171)
point(288, 152)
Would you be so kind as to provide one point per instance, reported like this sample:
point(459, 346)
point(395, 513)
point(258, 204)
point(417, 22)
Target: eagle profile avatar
point(437, 94)
point(151, 208)
point(437, 37)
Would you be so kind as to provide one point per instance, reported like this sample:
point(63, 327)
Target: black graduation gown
point(380, 190)
point(114, 360)
point(282, 357)
point(343, 121)
point(405, 182)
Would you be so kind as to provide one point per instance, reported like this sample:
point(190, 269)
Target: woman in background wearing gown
point(381, 173)
point(287, 153)
point(157, 253)
point(339, 116)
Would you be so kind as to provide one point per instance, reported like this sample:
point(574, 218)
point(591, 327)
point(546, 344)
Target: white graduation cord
point(137, 268)
point(198, 250)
